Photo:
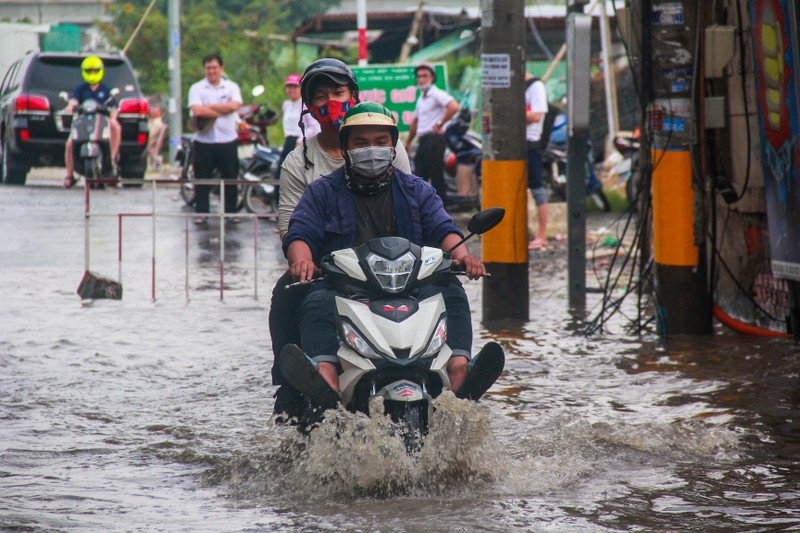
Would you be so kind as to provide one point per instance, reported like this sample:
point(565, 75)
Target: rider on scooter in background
point(92, 71)
point(369, 198)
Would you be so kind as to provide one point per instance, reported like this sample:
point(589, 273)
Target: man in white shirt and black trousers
point(213, 103)
point(434, 109)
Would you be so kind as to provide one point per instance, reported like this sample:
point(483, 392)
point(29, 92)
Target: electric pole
point(174, 65)
point(504, 166)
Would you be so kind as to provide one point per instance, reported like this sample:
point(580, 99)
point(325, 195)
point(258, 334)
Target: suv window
point(67, 71)
point(11, 75)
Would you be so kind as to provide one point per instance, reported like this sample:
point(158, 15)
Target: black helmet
point(428, 67)
point(327, 68)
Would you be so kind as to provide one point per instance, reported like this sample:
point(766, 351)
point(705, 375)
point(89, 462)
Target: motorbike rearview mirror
point(64, 96)
point(258, 90)
point(481, 222)
point(114, 92)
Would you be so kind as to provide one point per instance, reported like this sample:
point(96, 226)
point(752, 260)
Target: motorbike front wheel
point(92, 168)
point(259, 200)
point(412, 419)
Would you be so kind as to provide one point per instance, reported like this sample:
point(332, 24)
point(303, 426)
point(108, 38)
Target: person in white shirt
point(535, 111)
point(434, 109)
point(215, 100)
point(296, 125)
point(328, 90)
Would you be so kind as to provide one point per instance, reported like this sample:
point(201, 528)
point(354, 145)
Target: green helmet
point(92, 70)
point(368, 114)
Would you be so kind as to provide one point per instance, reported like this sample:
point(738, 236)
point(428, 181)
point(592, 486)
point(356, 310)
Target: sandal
point(302, 373)
point(537, 244)
point(484, 369)
point(69, 182)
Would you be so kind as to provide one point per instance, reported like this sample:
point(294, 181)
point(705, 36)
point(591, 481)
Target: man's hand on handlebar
point(303, 271)
point(473, 267)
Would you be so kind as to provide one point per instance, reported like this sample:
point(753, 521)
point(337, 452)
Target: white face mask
point(371, 161)
point(424, 86)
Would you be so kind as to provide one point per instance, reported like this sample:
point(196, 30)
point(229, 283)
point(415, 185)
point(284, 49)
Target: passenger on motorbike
point(93, 88)
point(328, 89)
point(366, 199)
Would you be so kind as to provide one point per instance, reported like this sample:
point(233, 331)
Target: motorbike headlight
point(438, 338)
point(392, 274)
point(357, 342)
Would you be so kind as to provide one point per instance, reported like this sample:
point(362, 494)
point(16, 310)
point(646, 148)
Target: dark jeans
point(284, 320)
point(535, 167)
point(429, 162)
point(220, 156)
point(318, 331)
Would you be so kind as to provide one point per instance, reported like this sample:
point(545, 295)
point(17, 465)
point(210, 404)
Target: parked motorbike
point(254, 120)
point(554, 159)
point(184, 156)
point(262, 196)
point(90, 132)
point(462, 162)
point(627, 144)
point(393, 350)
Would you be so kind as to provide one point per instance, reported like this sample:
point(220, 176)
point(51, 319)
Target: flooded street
point(142, 415)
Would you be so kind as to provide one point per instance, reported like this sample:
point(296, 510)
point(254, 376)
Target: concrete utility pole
point(579, 51)
point(174, 65)
point(683, 301)
point(504, 166)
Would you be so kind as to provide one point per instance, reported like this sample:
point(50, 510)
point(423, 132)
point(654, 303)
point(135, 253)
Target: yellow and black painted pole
point(683, 301)
point(504, 166)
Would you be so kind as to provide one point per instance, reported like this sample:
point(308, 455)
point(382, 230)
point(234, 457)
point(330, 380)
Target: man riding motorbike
point(93, 88)
point(366, 199)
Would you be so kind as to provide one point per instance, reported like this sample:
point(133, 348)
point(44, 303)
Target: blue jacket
point(84, 92)
point(325, 218)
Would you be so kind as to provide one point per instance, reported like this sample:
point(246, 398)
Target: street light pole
point(174, 65)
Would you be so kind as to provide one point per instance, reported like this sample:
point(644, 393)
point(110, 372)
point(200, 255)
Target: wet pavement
point(150, 414)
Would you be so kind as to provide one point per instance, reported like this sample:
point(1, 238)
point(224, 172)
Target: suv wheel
point(12, 171)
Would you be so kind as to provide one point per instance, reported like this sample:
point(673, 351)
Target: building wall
point(53, 12)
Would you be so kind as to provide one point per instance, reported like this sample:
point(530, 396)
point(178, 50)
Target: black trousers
point(429, 162)
point(284, 320)
point(220, 156)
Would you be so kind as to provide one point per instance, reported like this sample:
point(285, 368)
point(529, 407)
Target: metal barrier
point(153, 215)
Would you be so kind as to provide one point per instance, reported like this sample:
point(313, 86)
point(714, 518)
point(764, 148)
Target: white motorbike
point(393, 351)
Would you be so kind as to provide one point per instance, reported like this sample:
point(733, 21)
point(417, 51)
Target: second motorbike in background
point(90, 132)
point(462, 162)
point(253, 122)
point(554, 159)
point(254, 154)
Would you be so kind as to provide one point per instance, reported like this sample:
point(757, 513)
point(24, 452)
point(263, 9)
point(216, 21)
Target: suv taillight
point(26, 103)
point(133, 106)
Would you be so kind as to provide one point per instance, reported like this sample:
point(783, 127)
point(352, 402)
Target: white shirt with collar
point(225, 127)
point(431, 107)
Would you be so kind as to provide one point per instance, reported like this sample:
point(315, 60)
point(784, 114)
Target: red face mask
point(331, 114)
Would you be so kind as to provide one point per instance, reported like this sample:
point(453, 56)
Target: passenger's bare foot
point(537, 244)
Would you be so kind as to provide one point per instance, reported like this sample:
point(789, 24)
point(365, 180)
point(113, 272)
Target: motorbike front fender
point(90, 149)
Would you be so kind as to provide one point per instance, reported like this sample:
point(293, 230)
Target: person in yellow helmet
point(93, 88)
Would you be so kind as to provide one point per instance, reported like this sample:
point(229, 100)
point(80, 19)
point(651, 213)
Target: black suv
point(33, 130)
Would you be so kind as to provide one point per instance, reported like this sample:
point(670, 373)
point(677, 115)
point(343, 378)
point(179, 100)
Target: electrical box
point(579, 59)
point(719, 48)
point(714, 115)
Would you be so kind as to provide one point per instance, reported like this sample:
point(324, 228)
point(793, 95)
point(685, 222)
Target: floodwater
point(142, 415)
